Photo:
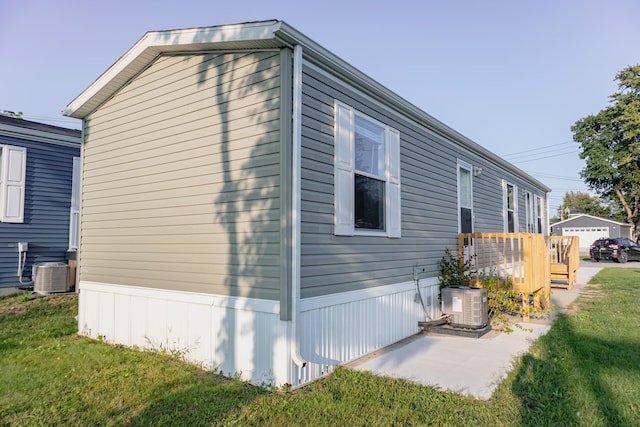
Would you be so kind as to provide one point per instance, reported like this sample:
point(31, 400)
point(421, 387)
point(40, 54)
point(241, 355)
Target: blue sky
point(511, 75)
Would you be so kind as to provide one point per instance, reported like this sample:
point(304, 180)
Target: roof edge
point(590, 216)
point(21, 131)
point(390, 98)
point(153, 43)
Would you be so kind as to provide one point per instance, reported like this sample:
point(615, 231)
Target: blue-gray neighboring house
point(38, 166)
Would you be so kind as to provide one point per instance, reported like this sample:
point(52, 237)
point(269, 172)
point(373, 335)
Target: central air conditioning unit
point(466, 306)
point(50, 277)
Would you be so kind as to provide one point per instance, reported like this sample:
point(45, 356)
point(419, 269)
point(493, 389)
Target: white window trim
point(530, 208)
point(461, 164)
point(344, 170)
point(542, 215)
point(12, 188)
point(505, 216)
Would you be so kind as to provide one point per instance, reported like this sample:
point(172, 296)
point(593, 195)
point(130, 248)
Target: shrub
point(453, 271)
point(502, 300)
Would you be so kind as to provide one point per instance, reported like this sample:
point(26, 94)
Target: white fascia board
point(155, 43)
point(573, 218)
point(37, 135)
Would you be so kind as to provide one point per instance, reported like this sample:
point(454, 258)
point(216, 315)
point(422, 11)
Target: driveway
point(609, 263)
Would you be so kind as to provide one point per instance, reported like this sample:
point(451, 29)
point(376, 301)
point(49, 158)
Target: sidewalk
point(466, 365)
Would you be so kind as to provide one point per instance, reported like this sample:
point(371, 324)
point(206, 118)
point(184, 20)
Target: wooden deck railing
point(521, 258)
point(564, 256)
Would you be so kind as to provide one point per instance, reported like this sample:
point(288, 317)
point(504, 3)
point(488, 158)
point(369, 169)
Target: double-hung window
point(13, 165)
point(465, 198)
point(539, 214)
point(529, 207)
point(510, 205)
point(367, 175)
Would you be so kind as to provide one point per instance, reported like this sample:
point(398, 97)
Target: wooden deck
point(564, 256)
point(521, 258)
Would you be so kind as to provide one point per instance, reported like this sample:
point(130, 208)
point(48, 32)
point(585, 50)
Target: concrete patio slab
point(470, 366)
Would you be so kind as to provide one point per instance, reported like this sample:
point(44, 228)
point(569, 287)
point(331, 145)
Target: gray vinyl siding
point(49, 170)
point(181, 178)
point(332, 264)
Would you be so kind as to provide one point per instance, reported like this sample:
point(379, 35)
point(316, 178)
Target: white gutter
point(295, 204)
point(39, 135)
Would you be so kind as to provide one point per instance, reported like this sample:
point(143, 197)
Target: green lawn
point(585, 371)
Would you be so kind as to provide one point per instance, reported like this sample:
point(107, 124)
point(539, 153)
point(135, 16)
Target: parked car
point(619, 249)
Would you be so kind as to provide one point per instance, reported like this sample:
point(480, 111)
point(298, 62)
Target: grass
point(585, 371)
point(51, 376)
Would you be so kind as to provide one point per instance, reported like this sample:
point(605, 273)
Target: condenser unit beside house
point(466, 306)
point(50, 277)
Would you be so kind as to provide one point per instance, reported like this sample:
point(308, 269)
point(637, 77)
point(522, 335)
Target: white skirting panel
point(245, 336)
point(339, 328)
point(238, 336)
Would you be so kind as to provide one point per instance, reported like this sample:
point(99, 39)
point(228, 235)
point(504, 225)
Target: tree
point(583, 203)
point(610, 146)
point(8, 113)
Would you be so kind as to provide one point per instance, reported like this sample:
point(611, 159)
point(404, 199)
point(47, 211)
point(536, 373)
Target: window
point(529, 207)
point(465, 198)
point(13, 164)
point(534, 213)
point(539, 214)
point(367, 175)
point(510, 204)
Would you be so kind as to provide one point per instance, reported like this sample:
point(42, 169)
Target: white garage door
point(587, 235)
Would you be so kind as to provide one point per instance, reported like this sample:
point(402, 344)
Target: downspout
point(295, 202)
point(83, 136)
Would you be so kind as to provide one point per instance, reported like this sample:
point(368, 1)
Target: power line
point(542, 158)
point(549, 152)
point(536, 149)
point(546, 151)
point(544, 175)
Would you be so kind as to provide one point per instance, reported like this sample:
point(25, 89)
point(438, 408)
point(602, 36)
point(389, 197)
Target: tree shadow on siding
point(246, 202)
